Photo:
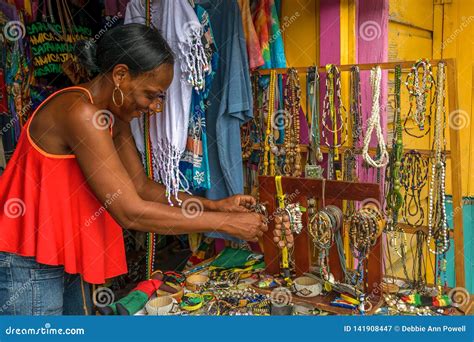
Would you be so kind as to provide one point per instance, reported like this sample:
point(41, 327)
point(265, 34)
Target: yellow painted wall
point(457, 41)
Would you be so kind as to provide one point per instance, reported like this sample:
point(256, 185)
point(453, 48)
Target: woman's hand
point(246, 226)
point(282, 235)
point(234, 204)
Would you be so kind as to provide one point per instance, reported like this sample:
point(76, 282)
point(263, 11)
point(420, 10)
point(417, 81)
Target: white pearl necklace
point(374, 122)
point(438, 168)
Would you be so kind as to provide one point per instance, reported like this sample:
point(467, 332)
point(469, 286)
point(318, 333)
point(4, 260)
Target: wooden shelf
point(342, 149)
point(347, 67)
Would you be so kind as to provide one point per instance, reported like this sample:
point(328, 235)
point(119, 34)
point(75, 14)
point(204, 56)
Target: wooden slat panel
point(417, 13)
point(408, 43)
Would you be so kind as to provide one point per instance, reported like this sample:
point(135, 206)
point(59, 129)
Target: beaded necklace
point(292, 165)
point(438, 171)
point(413, 177)
point(323, 227)
point(356, 106)
point(419, 95)
point(312, 170)
point(333, 120)
point(374, 123)
point(350, 155)
point(246, 141)
point(419, 266)
point(365, 226)
point(267, 154)
point(394, 197)
point(248, 128)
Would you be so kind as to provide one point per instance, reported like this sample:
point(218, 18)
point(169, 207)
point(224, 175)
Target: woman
point(73, 184)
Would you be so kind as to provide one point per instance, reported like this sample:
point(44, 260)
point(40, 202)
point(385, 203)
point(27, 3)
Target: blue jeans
point(30, 288)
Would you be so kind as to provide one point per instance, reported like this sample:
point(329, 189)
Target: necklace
point(323, 227)
point(268, 155)
point(419, 267)
point(365, 226)
point(350, 155)
point(356, 106)
point(438, 170)
point(374, 123)
point(312, 170)
point(419, 93)
point(394, 197)
point(413, 176)
point(333, 120)
point(292, 165)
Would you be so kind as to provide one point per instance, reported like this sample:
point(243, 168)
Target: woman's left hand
point(236, 204)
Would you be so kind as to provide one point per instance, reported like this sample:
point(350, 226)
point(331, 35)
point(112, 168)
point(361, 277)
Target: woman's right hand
point(246, 226)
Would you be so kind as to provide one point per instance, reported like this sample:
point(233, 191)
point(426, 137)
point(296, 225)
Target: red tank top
point(48, 211)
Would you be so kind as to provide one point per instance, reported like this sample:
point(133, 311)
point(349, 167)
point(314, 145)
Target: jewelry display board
point(327, 191)
point(338, 191)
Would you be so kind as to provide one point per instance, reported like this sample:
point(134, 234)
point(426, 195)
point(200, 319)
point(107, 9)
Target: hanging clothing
point(230, 100)
point(277, 49)
point(180, 27)
point(261, 27)
point(254, 50)
point(267, 25)
point(194, 164)
point(51, 214)
point(15, 81)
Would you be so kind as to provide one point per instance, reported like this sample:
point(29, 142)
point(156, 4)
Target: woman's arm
point(105, 174)
point(147, 189)
point(152, 191)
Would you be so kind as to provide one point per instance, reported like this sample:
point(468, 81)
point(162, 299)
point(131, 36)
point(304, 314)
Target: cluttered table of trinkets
point(235, 283)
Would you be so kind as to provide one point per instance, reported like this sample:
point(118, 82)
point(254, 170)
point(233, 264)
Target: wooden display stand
point(333, 192)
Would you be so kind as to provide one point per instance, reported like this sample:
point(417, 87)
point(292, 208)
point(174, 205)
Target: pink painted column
point(372, 47)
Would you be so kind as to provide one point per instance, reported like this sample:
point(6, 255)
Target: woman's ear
point(120, 73)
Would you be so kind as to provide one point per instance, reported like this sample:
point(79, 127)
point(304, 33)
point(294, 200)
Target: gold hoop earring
point(121, 96)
